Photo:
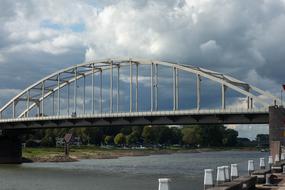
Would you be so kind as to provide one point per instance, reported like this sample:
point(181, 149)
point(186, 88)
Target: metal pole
point(28, 102)
point(84, 86)
point(174, 87)
point(248, 102)
point(251, 103)
point(93, 103)
point(137, 85)
point(75, 91)
point(156, 87)
point(68, 91)
point(223, 96)
point(177, 88)
point(151, 87)
point(58, 94)
point(43, 94)
point(111, 86)
point(198, 89)
point(118, 88)
point(131, 86)
point(101, 78)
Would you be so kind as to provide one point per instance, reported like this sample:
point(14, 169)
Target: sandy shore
point(57, 155)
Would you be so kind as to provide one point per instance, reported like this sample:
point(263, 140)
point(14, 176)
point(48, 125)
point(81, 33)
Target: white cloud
point(250, 131)
point(90, 54)
point(2, 59)
point(241, 38)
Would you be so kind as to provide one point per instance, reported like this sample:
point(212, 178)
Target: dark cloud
point(241, 38)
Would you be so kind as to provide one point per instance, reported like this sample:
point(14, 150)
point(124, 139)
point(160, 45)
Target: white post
point(220, 175)
point(208, 178)
point(270, 161)
point(164, 184)
point(250, 167)
point(234, 171)
point(282, 156)
point(276, 159)
point(227, 173)
point(262, 163)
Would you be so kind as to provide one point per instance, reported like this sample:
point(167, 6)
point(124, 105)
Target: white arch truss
point(52, 84)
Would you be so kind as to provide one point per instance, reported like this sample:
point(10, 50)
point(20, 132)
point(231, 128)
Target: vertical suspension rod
point(198, 90)
point(177, 88)
point(101, 98)
point(58, 94)
point(131, 86)
point(118, 87)
point(111, 87)
point(43, 94)
point(156, 87)
point(75, 91)
point(84, 93)
point(151, 87)
point(68, 96)
point(223, 96)
point(137, 85)
point(28, 102)
point(14, 111)
point(174, 87)
point(93, 93)
point(53, 107)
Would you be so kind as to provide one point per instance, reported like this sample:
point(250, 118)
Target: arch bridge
point(109, 93)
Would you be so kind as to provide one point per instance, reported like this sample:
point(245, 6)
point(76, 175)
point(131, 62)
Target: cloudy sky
point(244, 39)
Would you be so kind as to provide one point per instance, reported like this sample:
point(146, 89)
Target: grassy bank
point(93, 152)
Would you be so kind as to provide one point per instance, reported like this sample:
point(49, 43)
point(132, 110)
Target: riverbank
point(93, 152)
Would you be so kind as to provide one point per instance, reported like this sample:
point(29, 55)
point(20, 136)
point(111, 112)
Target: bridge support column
point(10, 149)
point(276, 129)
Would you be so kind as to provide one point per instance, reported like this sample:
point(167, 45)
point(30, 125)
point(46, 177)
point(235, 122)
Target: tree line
point(191, 136)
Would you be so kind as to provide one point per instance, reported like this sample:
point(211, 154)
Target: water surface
point(126, 173)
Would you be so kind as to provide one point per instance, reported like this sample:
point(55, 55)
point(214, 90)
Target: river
point(126, 173)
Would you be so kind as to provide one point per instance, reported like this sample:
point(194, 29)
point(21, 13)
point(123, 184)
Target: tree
point(109, 140)
point(212, 135)
point(230, 137)
point(164, 135)
point(191, 136)
point(176, 137)
point(126, 130)
point(133, 138)
point(149, 135)
point(95, 135)
point(120, 139)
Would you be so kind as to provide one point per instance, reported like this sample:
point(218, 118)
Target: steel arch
point(85, 69)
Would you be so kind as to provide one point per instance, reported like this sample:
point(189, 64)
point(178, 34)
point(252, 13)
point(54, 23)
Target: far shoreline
point(31, 155)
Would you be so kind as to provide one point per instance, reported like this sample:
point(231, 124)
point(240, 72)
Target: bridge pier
point(276, 129)
point(10, 149)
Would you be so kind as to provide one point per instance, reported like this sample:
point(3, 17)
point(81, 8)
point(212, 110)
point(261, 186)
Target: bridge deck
point(142, 118)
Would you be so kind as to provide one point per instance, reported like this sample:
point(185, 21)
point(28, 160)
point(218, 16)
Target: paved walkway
point(280, 186)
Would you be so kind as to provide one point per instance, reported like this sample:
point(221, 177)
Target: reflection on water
point(127, 173)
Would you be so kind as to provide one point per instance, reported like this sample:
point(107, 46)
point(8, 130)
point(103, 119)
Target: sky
point(244, 39)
